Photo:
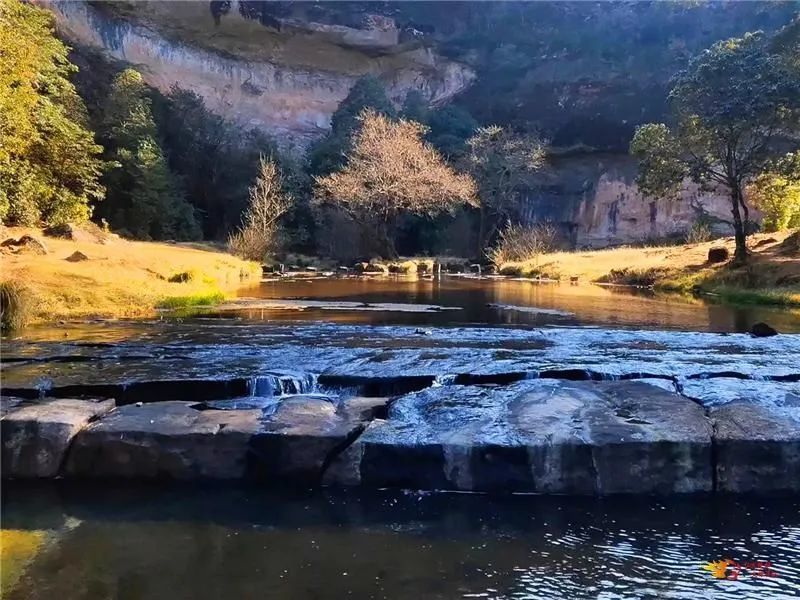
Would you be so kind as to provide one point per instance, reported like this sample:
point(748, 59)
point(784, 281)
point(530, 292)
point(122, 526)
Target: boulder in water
point(762, 330)
point(757, 447)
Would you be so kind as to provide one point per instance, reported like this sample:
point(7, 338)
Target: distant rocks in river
point(762, 330)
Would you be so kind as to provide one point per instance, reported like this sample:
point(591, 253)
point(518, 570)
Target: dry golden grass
point(682, 268)
point(121, 278)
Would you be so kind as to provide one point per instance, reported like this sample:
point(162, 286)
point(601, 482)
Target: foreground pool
point(155, 542)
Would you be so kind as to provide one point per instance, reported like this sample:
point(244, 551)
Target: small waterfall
point(282, 384)
point(441, 380)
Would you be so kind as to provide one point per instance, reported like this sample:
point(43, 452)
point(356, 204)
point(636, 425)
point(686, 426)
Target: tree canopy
point(144, 198)
point(390, 171)
point(733, 109)
point(50, 165)
point(501, 163)
point(330, 152)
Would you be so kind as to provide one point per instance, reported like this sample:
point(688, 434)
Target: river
point(68, 539)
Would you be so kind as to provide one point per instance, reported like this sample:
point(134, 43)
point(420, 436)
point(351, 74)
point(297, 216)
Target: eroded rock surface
point(304, 433)
point(536, 436)
point(757, 446)
point(169, 440)
point(286, 441)
point(36, 437)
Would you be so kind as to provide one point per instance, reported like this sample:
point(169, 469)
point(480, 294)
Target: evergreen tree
point(144, 197)
point(50, 165)
point(329, 154)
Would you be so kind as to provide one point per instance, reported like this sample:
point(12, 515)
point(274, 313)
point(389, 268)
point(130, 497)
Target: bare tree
point(501, 163)
point(390, 171)
point(257, 235)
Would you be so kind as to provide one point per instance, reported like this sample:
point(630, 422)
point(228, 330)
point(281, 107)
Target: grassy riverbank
point(117, 277)
point(771, 277)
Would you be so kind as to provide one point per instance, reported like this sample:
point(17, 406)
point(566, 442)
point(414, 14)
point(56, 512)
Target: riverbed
point(406, 353)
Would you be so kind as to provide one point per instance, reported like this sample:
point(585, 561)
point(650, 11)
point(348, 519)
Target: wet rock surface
point(552, 410)
point(36, 437)
point(167, 440)
point(536, 436)
point(757, 446)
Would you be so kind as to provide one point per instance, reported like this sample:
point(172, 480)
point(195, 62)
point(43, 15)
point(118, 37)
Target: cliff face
point(583, 74)
point(287, 83)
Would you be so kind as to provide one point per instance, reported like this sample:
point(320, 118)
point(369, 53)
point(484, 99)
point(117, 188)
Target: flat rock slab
point(289, 441)
point(535, 436)
point(37, 436)
point(165, 440)
point(757, 446)
point(304, 433)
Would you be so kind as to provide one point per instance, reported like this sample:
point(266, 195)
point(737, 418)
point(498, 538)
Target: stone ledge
point(757, 447)
point(536, 436)
point(36, 437)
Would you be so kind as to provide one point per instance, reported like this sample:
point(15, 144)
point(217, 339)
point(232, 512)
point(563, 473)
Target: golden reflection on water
point(589, 304)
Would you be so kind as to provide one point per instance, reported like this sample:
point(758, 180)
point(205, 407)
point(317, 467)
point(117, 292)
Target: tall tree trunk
point(739, 232)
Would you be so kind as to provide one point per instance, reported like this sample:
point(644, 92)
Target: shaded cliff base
point(96, 274)
point(771, 277)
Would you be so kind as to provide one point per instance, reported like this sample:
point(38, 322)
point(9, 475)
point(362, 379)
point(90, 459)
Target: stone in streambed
point(757, 446)
point(535, 436)
point(37, 436)
point(762, 330)
point(165, 440)
point(305, 432)
point(286, 442)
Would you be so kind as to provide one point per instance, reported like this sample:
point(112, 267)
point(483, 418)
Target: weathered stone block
point(36, 437)
point(757, 447)
point(298, 440)
point(535, 436)
point(169, 440)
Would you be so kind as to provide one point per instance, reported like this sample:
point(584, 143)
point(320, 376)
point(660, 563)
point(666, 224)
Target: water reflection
point(183, 543)
point(586, 304)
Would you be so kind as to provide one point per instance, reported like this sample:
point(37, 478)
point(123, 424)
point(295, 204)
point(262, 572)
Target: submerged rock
point(535, 436)
point(757, 446)
point(36, 437)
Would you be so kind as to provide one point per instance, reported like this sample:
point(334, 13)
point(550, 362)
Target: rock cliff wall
point(595, 201)
point(583, 74)
point(271, 86)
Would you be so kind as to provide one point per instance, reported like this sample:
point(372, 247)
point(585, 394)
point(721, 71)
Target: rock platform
point(531, 436)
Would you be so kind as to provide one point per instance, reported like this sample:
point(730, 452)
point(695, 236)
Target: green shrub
point(209, 299)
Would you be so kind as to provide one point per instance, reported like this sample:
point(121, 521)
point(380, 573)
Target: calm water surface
point(154, 543)
point(478, 299)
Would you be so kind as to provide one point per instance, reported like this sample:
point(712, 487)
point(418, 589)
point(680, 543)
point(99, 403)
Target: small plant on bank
point(518, 243)
point(15, 305)
point(257, 237)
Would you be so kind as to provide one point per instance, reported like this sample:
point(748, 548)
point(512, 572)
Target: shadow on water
point(156, 542)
